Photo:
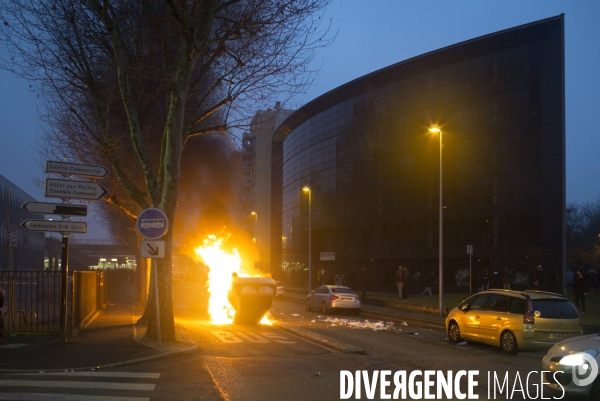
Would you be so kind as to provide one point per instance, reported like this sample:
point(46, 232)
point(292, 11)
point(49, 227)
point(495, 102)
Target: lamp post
point(436, 129)
point(255, 225)
point(307, 189)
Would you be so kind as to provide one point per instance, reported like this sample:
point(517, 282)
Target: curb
point(319, 339)
point(107, 366)
point(190, 347)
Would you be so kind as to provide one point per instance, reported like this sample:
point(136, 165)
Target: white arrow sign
point(75, 169)
point(65, 209)
point(152, 249)
point(67, 189)
point(63, 226)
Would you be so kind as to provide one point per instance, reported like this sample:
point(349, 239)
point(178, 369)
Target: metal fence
point(33, 298)
point(33, 301)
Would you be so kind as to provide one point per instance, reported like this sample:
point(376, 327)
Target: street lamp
point(307, 189)
point(255, 224)
point(436, 129)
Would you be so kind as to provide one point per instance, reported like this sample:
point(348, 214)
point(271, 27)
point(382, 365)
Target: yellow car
point(514, 320)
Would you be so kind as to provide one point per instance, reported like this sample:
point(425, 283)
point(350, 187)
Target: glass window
point(498, 303)
point(476, 302)
point(555, 308)
point(517, 305)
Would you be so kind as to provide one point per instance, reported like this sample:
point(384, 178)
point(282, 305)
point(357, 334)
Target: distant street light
point(307, 189)
point(254, 236)
point(436, 129)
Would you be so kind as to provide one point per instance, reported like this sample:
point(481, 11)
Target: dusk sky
point(375, 34)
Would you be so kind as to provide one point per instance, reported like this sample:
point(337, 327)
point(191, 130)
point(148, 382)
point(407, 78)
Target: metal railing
point(33, 298)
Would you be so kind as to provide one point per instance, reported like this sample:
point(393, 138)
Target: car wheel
point(508, 343)
point(454, 332)
point(307, 305)
point(324, 308)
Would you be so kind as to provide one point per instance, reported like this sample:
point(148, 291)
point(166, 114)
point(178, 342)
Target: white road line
point(77, 384)
point(94, 373)
point(65, 397)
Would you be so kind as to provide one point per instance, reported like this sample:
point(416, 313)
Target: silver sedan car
point(327, 298)
point(570, 368)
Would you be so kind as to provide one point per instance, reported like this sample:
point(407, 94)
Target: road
point(259, 362)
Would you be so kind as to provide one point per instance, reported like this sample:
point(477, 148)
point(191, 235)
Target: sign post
point(63, 209)
point(65, 190)
point(152, 223)
point(69, 189)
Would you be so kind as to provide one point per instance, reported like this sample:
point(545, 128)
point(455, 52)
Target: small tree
point(128, 83)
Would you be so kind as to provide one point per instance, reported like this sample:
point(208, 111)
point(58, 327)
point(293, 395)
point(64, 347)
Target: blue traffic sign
point(152, 223)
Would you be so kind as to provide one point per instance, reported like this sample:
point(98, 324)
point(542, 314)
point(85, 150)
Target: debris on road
point(359, 324)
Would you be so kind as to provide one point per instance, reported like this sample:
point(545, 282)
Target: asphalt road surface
point(264, 362)
point(259, 362)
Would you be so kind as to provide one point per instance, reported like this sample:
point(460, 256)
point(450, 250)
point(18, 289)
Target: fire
point(222, 266)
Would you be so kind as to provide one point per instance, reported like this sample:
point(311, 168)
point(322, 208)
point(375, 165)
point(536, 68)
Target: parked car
point(251, 297)
point(328, 298)
point(514, 320)
point(568, 355)
point(279, 291)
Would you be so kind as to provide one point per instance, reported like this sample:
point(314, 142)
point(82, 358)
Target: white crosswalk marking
point(65, 380)
point(97, 374)
point(65, 397)
point(75, 384)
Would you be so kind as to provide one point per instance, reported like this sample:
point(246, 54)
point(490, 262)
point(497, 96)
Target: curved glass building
point(373, 168)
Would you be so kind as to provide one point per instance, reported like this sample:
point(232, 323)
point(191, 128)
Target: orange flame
point(222, 265)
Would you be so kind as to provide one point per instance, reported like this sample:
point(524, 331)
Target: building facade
point(373, 168)
point(19, 249)
point(256, 185)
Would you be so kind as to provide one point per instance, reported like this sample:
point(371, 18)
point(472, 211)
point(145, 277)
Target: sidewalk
point(111, 339)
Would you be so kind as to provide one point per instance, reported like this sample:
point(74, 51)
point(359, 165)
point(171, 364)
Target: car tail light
point(334, 297)
point(357, 298)
point(528, 317)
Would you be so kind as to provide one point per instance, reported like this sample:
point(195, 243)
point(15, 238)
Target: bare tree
point(127, 83)
point(10, 232)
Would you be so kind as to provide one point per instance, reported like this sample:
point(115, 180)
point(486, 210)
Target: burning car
point(251, 297)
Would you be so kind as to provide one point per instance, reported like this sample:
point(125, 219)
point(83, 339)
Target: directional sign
point(75, 169)
point(152, 223)
point(63, 226)
point(152, 249)
point(64, 209)
point(68, 189)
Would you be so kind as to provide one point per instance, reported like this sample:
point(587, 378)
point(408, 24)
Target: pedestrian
point(406, 288)
point(338, 280)
point(506, 278)
point(399, 281)
point(580, 290)
point(484, 280)
point(538, 277)
point(363, 279)
point(1, 315)
point(429, 282)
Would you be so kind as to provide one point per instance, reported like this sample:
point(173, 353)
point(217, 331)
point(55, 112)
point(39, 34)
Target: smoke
point(209, 198)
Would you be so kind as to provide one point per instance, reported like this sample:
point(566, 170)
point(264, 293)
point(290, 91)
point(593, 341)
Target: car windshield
point(555, 308)
point(343, 291)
